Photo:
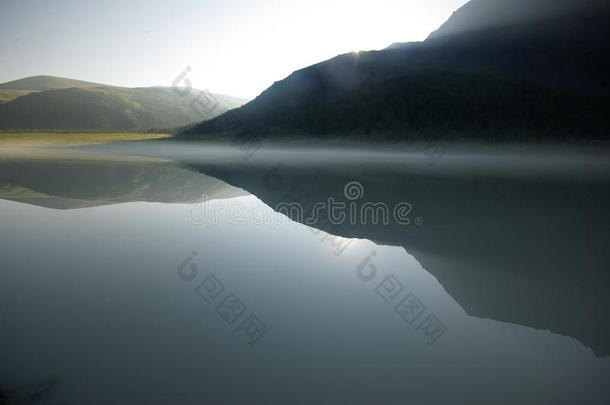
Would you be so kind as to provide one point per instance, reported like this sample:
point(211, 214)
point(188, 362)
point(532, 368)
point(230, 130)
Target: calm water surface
point(194, 279)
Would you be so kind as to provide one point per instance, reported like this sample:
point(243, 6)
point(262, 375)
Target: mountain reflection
point(70, 183)
point(529, 251)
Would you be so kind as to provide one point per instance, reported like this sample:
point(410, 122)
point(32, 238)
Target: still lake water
point(165, 273)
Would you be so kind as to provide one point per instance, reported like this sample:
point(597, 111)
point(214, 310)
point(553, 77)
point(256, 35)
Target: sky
point(234, 47)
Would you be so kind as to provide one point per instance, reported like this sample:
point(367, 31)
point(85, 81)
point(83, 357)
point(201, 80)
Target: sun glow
point(236, 47)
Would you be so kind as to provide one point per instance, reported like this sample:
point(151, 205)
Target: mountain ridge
point(56, 103)
point(46, 82)
point(516, 81)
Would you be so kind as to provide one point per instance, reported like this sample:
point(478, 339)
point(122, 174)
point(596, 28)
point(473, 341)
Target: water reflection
point(71, 182)
point(100, 300)
point(520, 250)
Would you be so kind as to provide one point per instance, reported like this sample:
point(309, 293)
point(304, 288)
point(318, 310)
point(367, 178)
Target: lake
point(162, 272)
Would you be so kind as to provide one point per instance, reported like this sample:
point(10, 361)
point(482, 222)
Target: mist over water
point(119, 300)
point(423, 157)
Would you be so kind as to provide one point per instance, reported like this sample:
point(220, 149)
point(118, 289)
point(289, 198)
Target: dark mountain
point(496, 70)
point(43, 104)
point(479, 15)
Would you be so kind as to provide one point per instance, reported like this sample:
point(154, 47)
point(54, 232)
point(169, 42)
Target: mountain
point(478, 15)
point(42, 83)
point(53, 103)
point(17, 88)
point(496, 70)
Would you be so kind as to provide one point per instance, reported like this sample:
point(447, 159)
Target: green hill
point(42, 104)
point(9, 95)
point(42, 83)
point(496, 70)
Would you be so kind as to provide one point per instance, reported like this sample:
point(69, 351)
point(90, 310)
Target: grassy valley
point(43, 139)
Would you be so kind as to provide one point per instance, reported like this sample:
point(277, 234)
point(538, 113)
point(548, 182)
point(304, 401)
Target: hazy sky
point(236, 47)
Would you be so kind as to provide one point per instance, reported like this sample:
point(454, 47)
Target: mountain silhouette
point(496, 70)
